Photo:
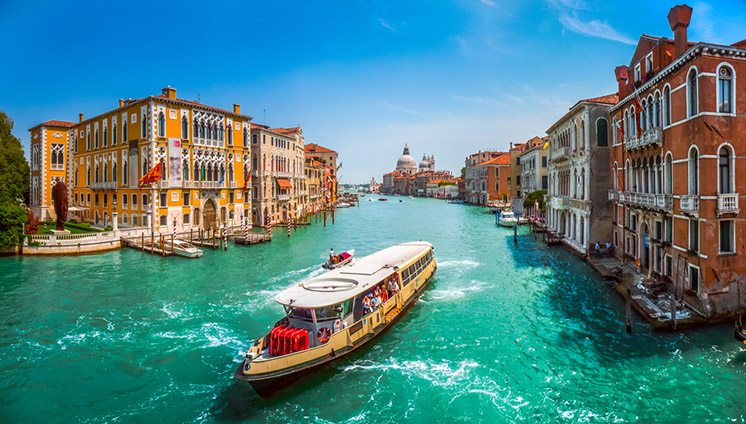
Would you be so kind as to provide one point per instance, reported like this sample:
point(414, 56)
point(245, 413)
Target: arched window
point(602, 132)
point(184, 128)
point(615, 172)
point(253, 162)
point(96, 173)
point(625, 124)
point(195, 132)
point(95, 138)
point(106, 136)
point(725, 90)
point(725, 170)
point(221, 136)
point(582, 184)
point(114, 172)
point(114, 134)
point(164, 177)
point(657, 110)
point(692, 93)
point(667, 106)
point(230, 136)
point(124, 131)
point(202, 129)
point(161, 125)
point(650, 114)
point(574, 139)
point(124, 173)
point(693, 171)
point(245, 137)
point(230, 172)
point(643, 115)
point(144, 127)
point(628, 176)
point(185, 169)
point(632, 126)
point(582, 134)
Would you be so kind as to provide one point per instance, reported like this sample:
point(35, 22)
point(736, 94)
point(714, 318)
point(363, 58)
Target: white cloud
point(488, 3)
point(702, 27)
point(387, 25)
point(593, 28)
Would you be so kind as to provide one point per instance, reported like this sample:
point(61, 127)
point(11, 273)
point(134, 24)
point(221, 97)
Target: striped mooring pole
point(225, 237)
point(288, 224)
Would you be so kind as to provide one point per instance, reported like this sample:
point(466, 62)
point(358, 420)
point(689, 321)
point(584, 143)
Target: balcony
point(613, 195)
point(560, 154)
point(109, 185)
point(727, 203)
point(690, 204)
point(233, 184)
point(281, 174)
point(653, 201)
point(651, 137)
point(283, 197)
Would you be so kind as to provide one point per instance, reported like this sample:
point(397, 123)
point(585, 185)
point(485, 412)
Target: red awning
point(284, 183)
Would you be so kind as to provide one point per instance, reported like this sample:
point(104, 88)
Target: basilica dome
point(406, 162)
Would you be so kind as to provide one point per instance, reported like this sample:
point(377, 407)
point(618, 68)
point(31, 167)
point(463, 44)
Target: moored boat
point(507, 218)
point(342, 205)
point(337, 312)
point(186, 249)
point(740, 333)
point(343, 259)
point(383, 199)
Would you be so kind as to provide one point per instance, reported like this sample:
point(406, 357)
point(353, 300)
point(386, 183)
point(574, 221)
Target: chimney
point(81, 117)
point(236, 108)
point(169, 92)
point(678, 18)
point(621, 73)
point(121, 102)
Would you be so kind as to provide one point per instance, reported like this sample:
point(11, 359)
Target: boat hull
point(267, 386)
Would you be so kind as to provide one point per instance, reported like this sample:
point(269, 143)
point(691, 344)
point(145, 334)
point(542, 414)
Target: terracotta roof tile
point(315, 148)
point(500, 160)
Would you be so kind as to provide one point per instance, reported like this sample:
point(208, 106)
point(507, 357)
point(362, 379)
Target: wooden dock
point(252, 238)
point(152, 244)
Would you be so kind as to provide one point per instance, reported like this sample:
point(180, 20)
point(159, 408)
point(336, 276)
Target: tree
point(531, 199)
point(14, 173)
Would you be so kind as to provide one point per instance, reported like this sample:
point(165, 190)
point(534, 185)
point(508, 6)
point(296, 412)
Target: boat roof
point(338, 285)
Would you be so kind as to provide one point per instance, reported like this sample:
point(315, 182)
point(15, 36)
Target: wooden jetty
point(252, 238)
point(155, 245)
point(551, 238)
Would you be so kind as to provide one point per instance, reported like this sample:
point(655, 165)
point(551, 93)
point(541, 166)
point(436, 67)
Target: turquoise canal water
point(505, 333)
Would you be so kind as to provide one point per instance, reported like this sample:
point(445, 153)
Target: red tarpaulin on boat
point(343, 256)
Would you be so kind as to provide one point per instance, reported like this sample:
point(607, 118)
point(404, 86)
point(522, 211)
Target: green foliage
point(537, 196)
point(446, 183)
point(14, 172)
point(463, 172)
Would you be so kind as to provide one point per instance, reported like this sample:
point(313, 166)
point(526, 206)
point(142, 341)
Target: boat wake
point(448, 294)
point(458, 263)
point(441, 374)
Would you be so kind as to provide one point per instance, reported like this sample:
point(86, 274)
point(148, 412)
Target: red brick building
point(498, 177)
point(678, 162)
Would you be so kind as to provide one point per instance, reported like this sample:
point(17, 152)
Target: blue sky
point(363, 78)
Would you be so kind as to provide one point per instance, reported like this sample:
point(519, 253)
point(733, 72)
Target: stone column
point(115, 221)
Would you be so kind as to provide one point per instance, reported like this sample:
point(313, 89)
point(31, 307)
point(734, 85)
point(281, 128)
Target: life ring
point(323, 335)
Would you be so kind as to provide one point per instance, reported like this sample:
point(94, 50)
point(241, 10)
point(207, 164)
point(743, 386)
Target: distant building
point(514, 181)
point(497, 172)
point(535, 166)
point(410, 179)
point(475, 177)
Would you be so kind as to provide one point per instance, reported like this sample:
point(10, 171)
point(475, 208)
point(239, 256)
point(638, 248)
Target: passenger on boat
point(331, 253)
point(393, 286)
point(367, 304)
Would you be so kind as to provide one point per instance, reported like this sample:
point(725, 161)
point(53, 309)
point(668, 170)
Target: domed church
point(406, 163)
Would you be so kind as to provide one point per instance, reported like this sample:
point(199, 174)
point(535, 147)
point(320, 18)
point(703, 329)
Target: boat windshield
point(300, 313)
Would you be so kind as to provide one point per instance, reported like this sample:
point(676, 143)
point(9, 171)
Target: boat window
point(301, 313)
point(329, 312)
point(405, 274)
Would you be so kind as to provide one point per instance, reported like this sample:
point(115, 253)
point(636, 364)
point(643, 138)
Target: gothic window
point(602, 133)
point(693, 163)
point(725, 90)
point(667, 106)
point(692, 93)
point(184, 127)
point(725, 170)
point(161, 124)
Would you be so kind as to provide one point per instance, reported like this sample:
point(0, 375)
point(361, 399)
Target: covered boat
point(343, 259)
point(335, 313)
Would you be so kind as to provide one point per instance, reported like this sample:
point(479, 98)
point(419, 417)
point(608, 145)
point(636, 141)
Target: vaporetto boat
point(337, 312)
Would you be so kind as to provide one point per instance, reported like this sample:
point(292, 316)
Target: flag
point(151, 176)
point(246, 181)
point(638, 110)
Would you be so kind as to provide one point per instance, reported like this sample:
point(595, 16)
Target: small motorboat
point(342, 205)
point(411, 197)
point(343, 259)
point(400, 200)
point(185, 249)
point(507, 219)
point(383, 199)
point(740, 333)
point(456, 202)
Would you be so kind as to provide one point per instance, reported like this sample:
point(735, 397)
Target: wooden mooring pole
point(628, 311)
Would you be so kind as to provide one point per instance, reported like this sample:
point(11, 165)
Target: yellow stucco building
point(205, 154)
